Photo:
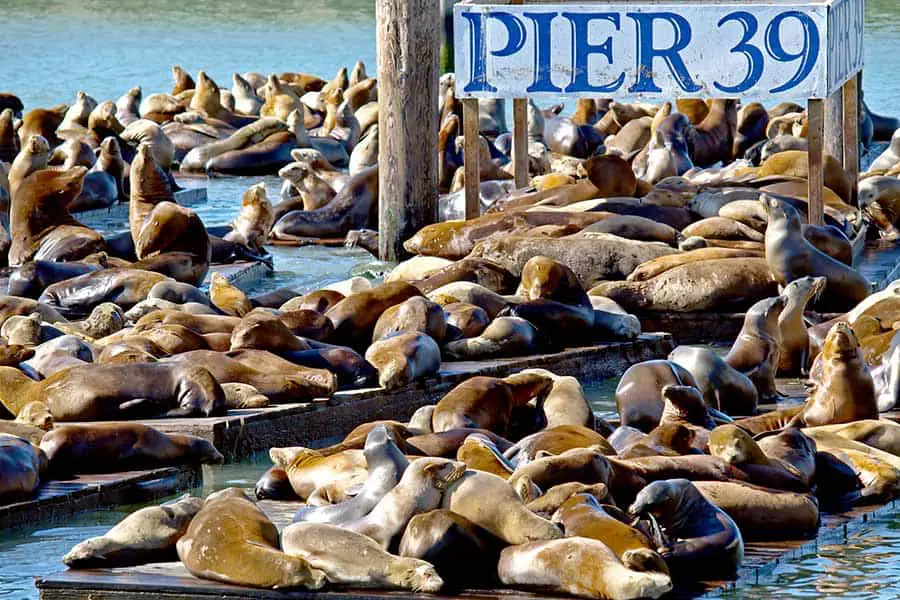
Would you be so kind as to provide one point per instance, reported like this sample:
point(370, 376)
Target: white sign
point(699, 49)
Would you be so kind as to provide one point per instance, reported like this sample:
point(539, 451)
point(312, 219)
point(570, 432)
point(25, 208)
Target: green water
point(50, 49)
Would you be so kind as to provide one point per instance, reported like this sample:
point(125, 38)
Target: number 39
point(774, 47)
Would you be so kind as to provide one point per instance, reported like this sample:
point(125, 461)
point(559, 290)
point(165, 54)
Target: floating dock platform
point(244, 432)
point(57, 500)
point(171, 581)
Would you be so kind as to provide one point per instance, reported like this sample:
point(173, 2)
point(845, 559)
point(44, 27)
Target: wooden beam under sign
point(850, 92)
point(834, 125)
point(816, 191)
point(471, 157)
point(408, 45)
point(520, 141)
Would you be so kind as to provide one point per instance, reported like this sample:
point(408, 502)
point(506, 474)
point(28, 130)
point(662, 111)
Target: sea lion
point(232, 541)
point(9, 141)
point(891, 155)
point(262, 330)
point(481, 454)
point(878, 433)
point(42, 122)
point(79, 295)
point(764, 514)
point(479, 271)
point(578, 566)
point(794, 354)
point(404, 357)
point(309, 470)
point(171, 229)
point(753, 120)
point(735, 446)
point(470, 293)
point(486, 402)
point(700, 535)
point(793, 448)
point(722, 228)
point(756, 351)
point(34, 415)
point(350, 558)
point(464, 320)
point(319, 301)
point(791, 257)
point(308, 324)
point(227, 297)
point(146, 131)
point(565, 403)
point(146, 535)
point(420, 489)
point(21, 465)
point(275, 485)
point(40, 224)
point(843, 388)
point(722, 386)
point(639, 398)
point(355, 317)
point(252, 225)
point(727, 284)
point(585, 465)
point(830, 240)
point(657, 266)
point(505, 336)
point(554, 441)
point(414, 314)
point(385, 464)
point(246, 100)
point(117, 392)
point(556, 496)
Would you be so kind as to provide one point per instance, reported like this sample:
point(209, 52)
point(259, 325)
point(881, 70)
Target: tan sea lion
point(735, 446)
point(350, 558)
point(464, 320)
point(481, 454)
point(756, 351)
point(795, 355)
point(795, 163)
point(555, 441)
point(843, 387)
point(227, 297)
point(232, 541)
point(42, 122)
point(309, 470)
point(585, 465)
point(146, 535)
point(580, 567)
point(252, 225)
point(657, 266)
point(414, 314)
point(404, 357)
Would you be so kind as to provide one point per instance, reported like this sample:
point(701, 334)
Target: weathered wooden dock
point(171, 581)
point(61, 499)
point(242, 432)
point(241, 274)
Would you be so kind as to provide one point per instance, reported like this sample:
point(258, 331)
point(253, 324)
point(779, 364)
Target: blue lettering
point(754, 55)
point(646, 52)
point(582, 50)
point(542, 67)
point(808, 54)
point(515, 31)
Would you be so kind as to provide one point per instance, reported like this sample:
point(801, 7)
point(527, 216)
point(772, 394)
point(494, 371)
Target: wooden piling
point(816, 190)
point(850, 118)
point(408, 45)
point(520, 141)
point(472, 156)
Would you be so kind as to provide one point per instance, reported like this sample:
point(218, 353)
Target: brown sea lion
point(580, 567)
point(639, 398)
point(556, 440)
point(712, 139)
point(722, 386)
point(42, 122)
point(764, 514)
point(486, 402)
point(355, 317)
point(752, 122)
point(21, 465)
point(232, 541)
point(264, 331)
point(660, 265)
point(111, 447)
point(227, 297)
point(735, 446)
point(483, 272)
point(795, 163)
point(79, 295)
point(414, 314)
point(770, 421)
point(117, 392)
point(843, 388)
point(464, 320)
point(584, 465)
point(756, 351)
point(319, 301)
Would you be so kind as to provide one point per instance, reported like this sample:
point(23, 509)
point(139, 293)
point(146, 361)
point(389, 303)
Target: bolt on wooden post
point(409, 42)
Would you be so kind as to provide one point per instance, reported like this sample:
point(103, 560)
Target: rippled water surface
point(50, 49)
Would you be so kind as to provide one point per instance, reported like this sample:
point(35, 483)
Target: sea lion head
point(840, 341)
point(541, 276)
point(264, 331)
point(668, 499)
point(295, 172)
point(685, 402)
point(36, 413)
point(778, 210)
point(416, 575)
point(198, 450)
point(37, 145)
point(735, 446)
point(104, 117)
point(768, 311)
point(110, 147)
point(805, 288)
point(441, 472)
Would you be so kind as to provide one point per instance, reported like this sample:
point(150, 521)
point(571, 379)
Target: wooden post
point(471, 157)
point(850, 92)
point(408, 45)
point(520, 141)
point(834, 125)
point(816, 191)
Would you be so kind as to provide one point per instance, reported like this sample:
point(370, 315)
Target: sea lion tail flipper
point(719, 417)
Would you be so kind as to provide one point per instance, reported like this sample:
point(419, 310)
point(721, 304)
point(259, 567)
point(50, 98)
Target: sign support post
point(816, 191)
point(851, 132)
point(471, 157)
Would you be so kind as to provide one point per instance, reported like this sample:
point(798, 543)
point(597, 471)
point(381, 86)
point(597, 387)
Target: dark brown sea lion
point(756, 351)
point(351, 209)
point(33, 277)
point(42, 122)
point(712, 139)
point(639, 398)
point(113, 447)
point(79, 295)
point(170, 228)
point(275, 485)
point(117, 392)
point(486, 402)
point(483, 272)
point(232, 541)
point(9, 141)
point(355, 317)
point(790, 257)
point(830, 240)
point(699, 534)
point(40, 224)
point(843, 387)
point(752, 121)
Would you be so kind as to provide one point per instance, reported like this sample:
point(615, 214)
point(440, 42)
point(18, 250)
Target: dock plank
point(60, 499)
point(243, 432)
